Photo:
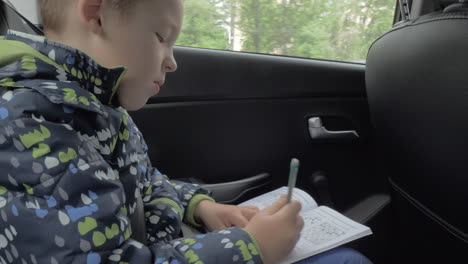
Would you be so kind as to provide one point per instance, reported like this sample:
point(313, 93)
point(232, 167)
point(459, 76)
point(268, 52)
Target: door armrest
point(235, 191)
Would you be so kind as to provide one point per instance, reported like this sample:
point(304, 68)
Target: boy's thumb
point(276, 206)
point(292, 209)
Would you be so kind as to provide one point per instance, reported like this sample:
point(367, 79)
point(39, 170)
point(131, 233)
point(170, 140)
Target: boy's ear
point(90, 14)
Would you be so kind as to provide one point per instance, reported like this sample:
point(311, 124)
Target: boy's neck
point(74, 40)
point(62, 38)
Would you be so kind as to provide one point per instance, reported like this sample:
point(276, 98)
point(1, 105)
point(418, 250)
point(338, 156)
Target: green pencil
point(294, 167)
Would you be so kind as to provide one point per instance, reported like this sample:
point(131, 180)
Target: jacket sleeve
point(179, 198)
point(60, 202)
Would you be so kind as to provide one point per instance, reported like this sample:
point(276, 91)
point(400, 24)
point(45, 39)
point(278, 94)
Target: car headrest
point(456, 7)
point(11, 19)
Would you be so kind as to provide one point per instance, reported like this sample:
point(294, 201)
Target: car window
point(29, 9)
point(339, 30)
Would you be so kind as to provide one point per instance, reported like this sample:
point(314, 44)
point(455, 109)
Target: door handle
point(318, 131)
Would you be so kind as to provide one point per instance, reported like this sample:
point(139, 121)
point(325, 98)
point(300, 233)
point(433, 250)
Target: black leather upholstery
point(417, 85)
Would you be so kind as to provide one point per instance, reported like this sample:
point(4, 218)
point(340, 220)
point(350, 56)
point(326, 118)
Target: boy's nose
point(170, 64)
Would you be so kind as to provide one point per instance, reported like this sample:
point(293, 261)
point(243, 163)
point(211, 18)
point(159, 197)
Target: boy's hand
point(217, 216)
point(277, 229)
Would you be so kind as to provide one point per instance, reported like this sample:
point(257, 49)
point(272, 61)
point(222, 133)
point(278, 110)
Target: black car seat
point(417, 85)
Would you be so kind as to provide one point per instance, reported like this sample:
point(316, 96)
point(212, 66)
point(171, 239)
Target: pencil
point(294, 167)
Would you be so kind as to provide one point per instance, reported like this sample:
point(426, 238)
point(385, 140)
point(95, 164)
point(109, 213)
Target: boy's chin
point(132, 105)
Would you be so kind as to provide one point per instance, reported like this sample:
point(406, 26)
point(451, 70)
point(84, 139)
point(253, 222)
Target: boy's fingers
point(291, 210)
point(276, 206)
point(239, 220)
point(251, 207)
point(216, 225)
point(248, 212)
point(299, 222)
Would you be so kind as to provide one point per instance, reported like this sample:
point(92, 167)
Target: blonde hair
point(53, 15)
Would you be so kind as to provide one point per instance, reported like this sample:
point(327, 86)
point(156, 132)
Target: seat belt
point(404, 10)
point(138, 223)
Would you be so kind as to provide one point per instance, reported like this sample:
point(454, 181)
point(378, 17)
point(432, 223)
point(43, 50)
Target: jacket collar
point(101, 81)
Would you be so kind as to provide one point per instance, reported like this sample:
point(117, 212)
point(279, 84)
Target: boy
point(73, 162)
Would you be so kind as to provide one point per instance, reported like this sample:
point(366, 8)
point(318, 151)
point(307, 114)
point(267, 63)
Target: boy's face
point(142, 41)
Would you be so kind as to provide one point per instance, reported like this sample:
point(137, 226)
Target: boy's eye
point(161, 39)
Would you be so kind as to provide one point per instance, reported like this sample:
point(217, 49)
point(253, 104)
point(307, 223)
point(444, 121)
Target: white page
point(325, 229)
point(268, 198)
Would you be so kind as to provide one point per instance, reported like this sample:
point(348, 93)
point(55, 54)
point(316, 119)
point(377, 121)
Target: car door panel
point(225, 116)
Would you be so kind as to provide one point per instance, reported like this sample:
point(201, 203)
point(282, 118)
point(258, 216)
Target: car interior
point(381, 142)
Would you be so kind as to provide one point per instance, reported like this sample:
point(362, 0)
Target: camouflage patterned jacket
point(72, 163)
